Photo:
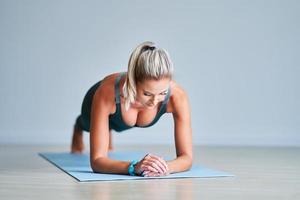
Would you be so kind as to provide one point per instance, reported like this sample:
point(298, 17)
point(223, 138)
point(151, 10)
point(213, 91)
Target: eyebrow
point(159, 93)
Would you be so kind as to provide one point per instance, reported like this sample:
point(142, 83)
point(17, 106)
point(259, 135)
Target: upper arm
point(99, 127)
point(182, 124)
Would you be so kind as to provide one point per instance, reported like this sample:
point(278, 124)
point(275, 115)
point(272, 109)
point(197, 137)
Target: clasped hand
point(152, 166)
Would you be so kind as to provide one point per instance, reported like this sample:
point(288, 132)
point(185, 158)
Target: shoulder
point(105, 93)
point(179, 100)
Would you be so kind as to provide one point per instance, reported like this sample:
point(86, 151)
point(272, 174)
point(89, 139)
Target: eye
point(164, 93)
point(146, 94)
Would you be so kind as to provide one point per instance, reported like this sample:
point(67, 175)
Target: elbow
point(96, 165)
point(189, 162)
point(93, 166)
point(94, 169)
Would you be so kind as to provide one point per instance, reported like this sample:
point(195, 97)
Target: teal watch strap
point(131, 167)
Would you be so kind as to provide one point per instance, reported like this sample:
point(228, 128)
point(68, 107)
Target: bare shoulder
point(105, 94)
point(179, 101)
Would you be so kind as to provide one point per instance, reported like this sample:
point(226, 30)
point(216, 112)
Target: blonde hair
point(147, 62)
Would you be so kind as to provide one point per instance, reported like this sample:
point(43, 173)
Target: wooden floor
point(260, 173)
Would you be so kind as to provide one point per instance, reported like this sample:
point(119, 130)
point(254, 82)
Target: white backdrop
point(236, 59)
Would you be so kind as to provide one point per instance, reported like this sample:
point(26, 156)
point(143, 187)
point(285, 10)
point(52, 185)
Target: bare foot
point(77, 141)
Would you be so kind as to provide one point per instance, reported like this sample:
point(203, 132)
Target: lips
point(151, 105)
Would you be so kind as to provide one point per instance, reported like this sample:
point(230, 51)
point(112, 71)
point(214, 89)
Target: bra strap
point(117, 87)
point(168, 96)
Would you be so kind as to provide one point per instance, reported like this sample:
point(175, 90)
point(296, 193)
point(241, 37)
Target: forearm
point(106, 165)
point(180, 164)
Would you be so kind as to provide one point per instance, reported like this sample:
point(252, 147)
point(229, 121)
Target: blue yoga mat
point(78, 166)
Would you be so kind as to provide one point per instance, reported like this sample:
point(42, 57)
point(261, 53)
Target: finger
point(145, 172)
point(149, 174)
point(165, 163)
point(146, 167)
point(154, 164)
point(150, 168)
point(160, 165)
point(153, 174)
point(147, 156)
point(161, 160)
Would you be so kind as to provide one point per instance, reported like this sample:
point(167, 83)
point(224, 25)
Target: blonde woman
point(136, 98)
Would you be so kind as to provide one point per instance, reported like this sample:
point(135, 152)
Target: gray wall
point(236, 59)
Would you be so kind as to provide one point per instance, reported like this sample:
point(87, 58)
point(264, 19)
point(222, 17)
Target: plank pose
point(136, 98)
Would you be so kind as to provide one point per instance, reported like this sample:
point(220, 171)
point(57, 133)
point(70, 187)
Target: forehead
point(154, 86)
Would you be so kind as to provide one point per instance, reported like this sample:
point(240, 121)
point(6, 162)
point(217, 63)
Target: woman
point(136, 98)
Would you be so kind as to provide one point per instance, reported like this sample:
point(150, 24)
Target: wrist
point(131, 168)
point(136, 169)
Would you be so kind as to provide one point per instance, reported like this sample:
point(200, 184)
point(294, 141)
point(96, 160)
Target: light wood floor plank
point(260, 173)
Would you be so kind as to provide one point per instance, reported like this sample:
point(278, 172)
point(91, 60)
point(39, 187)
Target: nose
point(154, 100)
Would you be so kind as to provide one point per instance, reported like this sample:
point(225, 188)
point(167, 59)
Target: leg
point(77, 140)
point(110, 147)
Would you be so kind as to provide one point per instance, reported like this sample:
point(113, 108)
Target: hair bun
point(149, 48)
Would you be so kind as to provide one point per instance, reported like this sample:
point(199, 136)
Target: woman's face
point(152, 92)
